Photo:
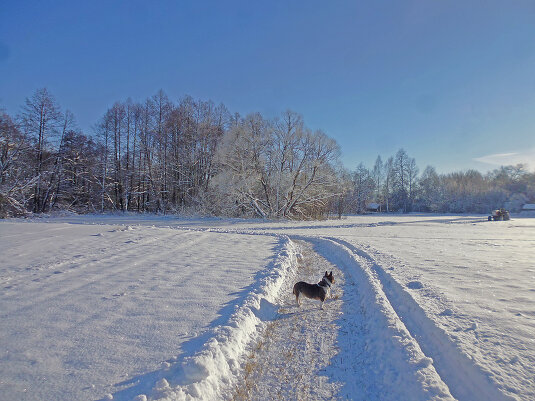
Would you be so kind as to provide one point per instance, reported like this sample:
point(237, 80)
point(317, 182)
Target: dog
point(318, 291)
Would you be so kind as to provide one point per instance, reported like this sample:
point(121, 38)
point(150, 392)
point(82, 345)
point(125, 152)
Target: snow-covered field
point(124, 307)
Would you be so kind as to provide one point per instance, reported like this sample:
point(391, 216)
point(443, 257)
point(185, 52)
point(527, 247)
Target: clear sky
point(452, 82)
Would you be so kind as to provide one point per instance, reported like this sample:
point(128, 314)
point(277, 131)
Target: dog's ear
point(331, 273)
point(326, 273)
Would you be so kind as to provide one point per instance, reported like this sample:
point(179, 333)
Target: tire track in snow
point(391, 365)
point(464, 379)
point(98, 268)
point(83, 257)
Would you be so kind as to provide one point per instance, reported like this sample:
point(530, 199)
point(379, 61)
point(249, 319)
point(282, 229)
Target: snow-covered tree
point(16, 179)
point(431, 193)
point(378, 176)
point(363, 187)
point(276, 169)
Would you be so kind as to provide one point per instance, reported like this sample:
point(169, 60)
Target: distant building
point(373, 207)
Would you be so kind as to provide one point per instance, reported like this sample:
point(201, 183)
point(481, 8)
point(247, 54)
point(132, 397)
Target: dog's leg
point(297, 299)
point(321, 305)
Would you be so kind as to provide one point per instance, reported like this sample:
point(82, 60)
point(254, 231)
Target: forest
point(193, 157)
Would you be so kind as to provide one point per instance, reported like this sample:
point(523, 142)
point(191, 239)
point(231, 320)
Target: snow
point(154, 307)
point(89, 310)
point(482, 276)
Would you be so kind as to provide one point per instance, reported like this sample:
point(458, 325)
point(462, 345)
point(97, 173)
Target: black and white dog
point(314, 291)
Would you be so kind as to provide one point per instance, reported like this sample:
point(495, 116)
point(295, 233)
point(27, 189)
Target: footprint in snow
point(415, 285)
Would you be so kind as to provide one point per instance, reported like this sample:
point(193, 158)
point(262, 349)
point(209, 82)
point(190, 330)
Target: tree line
point(195, 157)
point(396, 185)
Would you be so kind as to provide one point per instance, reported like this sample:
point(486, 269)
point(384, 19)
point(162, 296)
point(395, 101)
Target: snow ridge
point(396, 356)
point(213, 370)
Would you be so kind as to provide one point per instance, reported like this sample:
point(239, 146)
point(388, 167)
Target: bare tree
point(388, 183)
point(378, 174)
point(343, 200)
point(40, 120)
point(363, 185)
point(56, 179)
point(412, 180)
point(16, 180)
point(401, 163)
point(103, 132)
point(430, 190)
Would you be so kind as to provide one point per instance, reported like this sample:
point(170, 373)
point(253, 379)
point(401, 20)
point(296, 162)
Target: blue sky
point(452, 82)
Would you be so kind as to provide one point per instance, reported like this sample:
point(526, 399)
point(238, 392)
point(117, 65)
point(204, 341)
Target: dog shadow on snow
point(305, 309)
point(270, 312)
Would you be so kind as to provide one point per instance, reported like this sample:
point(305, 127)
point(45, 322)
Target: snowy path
point(289, 361)
point(372, 341)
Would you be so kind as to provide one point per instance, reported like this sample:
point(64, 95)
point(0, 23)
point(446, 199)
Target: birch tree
point(388, 183)
point(378, 174)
